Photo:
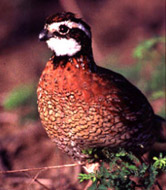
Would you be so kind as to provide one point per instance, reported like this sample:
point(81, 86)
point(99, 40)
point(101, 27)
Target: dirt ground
point(117, 27)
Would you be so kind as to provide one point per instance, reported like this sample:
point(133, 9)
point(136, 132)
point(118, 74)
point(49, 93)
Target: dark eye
point(63, 29)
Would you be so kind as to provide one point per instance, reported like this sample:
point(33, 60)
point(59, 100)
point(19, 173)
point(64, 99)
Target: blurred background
point(128, 37)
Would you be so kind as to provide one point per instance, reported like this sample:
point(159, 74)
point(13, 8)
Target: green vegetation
point(142, 51)
point(125, 171)
point(24, 98)
point(20, 96)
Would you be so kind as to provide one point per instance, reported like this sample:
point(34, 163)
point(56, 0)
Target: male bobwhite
point(84, 106)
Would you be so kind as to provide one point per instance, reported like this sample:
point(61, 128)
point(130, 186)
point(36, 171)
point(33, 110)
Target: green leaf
point(160, 163)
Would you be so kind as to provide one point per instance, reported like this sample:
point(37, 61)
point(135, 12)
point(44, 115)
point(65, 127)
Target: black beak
point(44, 35)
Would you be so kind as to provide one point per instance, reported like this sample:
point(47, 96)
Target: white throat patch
point(63, 46)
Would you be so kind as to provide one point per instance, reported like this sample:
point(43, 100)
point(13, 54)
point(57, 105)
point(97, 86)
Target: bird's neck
point(80, 61)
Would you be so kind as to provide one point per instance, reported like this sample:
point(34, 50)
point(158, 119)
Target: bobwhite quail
point(84, 106)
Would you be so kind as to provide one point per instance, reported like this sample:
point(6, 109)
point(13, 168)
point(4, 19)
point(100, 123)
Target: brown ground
point(117, 27)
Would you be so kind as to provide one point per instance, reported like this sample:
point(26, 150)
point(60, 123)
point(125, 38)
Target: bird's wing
point(133, 106)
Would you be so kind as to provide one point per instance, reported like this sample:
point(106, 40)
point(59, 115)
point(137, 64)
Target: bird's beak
point(45, 35)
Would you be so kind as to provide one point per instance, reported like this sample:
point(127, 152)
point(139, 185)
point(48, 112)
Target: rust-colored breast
point(81, 109)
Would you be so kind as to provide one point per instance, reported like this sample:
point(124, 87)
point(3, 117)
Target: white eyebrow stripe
point(55, 26)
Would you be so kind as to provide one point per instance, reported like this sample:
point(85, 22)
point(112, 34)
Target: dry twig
point(42, 168)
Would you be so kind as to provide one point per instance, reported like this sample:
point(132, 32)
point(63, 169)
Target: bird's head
point(66, 35)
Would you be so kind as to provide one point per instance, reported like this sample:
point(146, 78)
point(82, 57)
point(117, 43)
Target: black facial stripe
point(78, 34)
point(57, 34)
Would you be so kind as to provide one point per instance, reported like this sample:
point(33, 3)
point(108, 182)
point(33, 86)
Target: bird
point(83, 106)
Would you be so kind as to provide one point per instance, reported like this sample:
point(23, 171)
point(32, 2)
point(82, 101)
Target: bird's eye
point(63, 29)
